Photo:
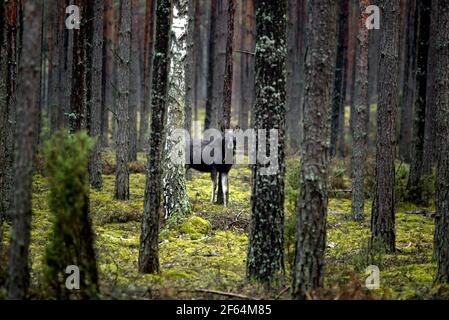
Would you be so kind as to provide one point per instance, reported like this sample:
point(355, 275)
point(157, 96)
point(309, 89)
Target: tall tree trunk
point(78, 109)
point(66, 69)
point(8, 77)
point(147, 70)
point(247, 92)
point(295, 73)
point(406, 120)
point(176, 200)
point(27, 111)
point(149, 251)
point(430, 146)
point(134, 82)
point(441, 241)
point(189, 66)
point(382, 217)
point(217, 64)
point(374, 56)
point(265, 260)
point(95, 59)
point(414, 187)
point(361, 118)
point(108, 65)
point(339, 93)
point(312, 205)
point(123, 86)
point(224, 121)
point(55, 37)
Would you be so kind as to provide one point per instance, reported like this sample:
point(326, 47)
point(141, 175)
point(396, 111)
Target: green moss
point(195, 227)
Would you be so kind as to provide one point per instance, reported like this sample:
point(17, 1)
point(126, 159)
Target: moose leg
point(224, 187)
point(213, 177)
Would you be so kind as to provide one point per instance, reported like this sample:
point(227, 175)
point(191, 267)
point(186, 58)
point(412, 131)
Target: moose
point(221, 151)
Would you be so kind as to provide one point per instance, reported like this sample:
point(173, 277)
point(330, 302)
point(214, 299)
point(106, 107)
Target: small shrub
point(71, 238)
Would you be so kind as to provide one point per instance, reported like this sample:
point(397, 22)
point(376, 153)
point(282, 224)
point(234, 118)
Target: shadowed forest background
point(91, 93)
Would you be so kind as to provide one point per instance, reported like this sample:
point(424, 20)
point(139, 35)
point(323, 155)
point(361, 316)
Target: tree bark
point(339, 93)
point(123, 86)
point(108, 65)
point(189, 66)
point(408, 90)
point(134, 82)
point(247, 90)
point(430, 146)
point(27, 111)
point(441, 240)
point(95, 58)
point(265, 262)
point(147, 70)
point(312, 205)
point(361, 118)
point(382, 217)
point(295, 74)
point(414, 187)
point(148, 251)
point(78, 109)
point(8, 83)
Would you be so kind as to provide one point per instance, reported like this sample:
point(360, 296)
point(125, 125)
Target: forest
point(224, 150)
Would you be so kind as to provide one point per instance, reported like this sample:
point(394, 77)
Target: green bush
point(71, 238)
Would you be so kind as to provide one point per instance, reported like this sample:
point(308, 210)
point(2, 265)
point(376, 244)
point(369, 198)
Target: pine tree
point(441, 240)
point(312, 203)
point(27, 110)
point(265, 260)
point(148, 251)
point(123, 80)
point(382, 216)
point(361, 118)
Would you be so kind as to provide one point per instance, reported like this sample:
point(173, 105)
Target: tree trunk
point(148, 251)
point(95, 58)
point(55, 45)
point(295, 73)
point(414, 187)
point(430, 146)
point(217, 64)
point(78, 109)
point(382, 217)
point(247, 93)
point(189, 66)
point(265, 260)
point(339, 93)
point(361, 118)
point(8, 77)
point(134, 82)
point(176, 200)
point(441, 241)
point(374, 56)
point(312, 205)
point(27, 111)
point(147, 70)
point(123, 86)
point(108, 65)
point(406, 121)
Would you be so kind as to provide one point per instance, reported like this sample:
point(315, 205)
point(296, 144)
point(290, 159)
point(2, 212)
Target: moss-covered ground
point(207, 251)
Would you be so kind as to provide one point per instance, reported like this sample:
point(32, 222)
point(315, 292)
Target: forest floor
point(204, 256)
